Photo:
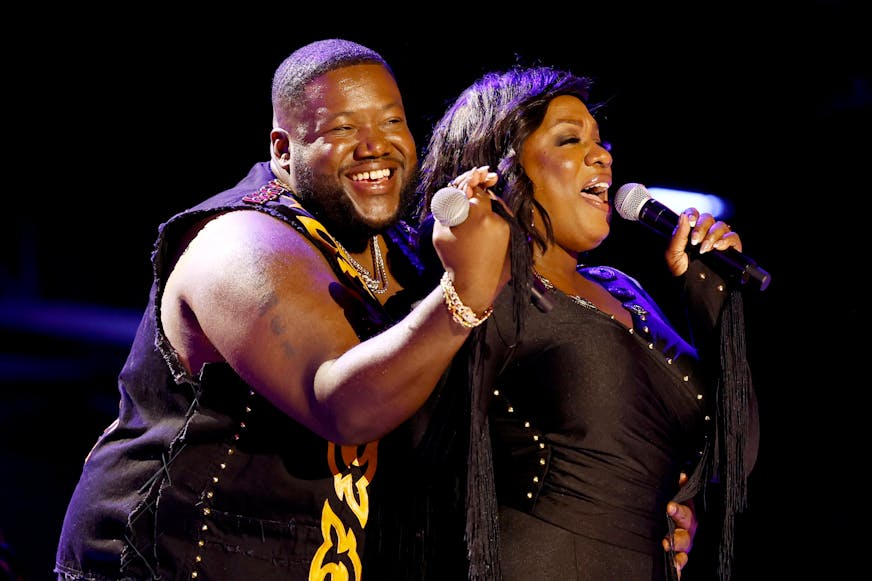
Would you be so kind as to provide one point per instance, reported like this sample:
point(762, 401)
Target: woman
point(589, 402)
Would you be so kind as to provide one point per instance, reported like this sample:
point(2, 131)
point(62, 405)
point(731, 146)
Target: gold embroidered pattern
point(353, 467)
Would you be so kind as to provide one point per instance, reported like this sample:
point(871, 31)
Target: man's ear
point(280, 146)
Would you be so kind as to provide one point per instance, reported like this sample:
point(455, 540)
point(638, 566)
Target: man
point(280, 346)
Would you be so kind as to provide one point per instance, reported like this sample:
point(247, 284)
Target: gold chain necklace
point(377, 283)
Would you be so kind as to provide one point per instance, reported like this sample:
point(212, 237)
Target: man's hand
point(685, 528)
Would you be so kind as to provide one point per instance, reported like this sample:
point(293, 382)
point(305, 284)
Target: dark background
point(114, 122)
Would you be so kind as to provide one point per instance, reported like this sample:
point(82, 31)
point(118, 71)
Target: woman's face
point(571, 172)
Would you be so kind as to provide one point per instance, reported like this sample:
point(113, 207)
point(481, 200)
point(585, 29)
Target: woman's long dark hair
point(487, 125)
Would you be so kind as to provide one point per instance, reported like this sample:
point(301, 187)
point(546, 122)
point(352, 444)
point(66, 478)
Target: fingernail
point(691, 219)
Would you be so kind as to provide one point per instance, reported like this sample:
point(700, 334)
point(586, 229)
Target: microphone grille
point(629, 200)
point(450, 206)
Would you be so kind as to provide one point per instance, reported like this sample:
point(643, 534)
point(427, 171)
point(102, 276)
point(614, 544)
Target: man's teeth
point(371, 175)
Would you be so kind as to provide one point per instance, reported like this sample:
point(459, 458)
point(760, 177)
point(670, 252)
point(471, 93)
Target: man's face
point(353, 157)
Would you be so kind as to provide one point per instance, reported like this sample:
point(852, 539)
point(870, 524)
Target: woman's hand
point(475, 251)
point(700, 230)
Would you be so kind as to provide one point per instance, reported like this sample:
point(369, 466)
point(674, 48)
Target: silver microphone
point(450, 206)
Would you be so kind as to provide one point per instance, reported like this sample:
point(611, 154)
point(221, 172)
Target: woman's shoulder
point(609, 276)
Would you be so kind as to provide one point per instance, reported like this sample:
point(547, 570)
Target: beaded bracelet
point(462, 314)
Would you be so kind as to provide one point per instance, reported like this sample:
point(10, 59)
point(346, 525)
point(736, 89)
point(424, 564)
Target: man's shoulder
point(251, 190)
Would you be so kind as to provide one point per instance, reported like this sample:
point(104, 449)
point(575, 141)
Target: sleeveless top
point(201, 477)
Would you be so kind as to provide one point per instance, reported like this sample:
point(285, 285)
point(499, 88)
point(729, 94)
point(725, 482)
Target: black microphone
point(634, 203)
point(450, 206)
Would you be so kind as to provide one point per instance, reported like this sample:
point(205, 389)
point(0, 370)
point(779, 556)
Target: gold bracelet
point(462, 314)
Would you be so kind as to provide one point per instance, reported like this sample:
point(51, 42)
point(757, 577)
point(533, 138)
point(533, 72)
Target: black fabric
point(201, 474)
point(593, 423)
point(557, 454)
point(420, 533)
point(734, 425)
point(553, 553)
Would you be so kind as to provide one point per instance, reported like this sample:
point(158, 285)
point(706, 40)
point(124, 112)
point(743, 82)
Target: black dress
point(591, 424)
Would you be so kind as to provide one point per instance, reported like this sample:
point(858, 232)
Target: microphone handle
point(736, 264)
point(729, 262)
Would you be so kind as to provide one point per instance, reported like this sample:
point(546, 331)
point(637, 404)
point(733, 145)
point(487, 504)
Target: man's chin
point(355, 237)
point(375, 221)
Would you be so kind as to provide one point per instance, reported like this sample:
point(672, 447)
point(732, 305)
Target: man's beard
point(327, 201)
